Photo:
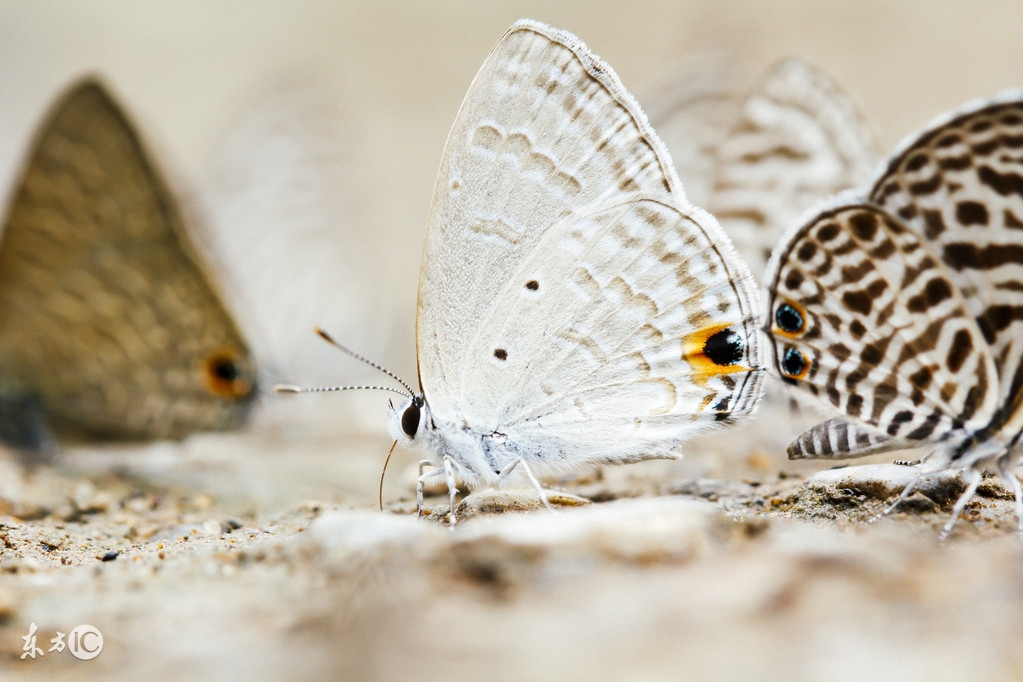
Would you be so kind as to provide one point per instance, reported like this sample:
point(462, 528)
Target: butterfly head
point(410, 419)
point(405, 421)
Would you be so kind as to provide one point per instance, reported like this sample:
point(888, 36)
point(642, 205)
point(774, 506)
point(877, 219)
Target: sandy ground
point(662, 576)
point(303, 140)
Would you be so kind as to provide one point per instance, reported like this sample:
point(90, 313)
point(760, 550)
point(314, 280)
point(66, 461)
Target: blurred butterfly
point(574, 308)
point(758, 157)
point(109, 329)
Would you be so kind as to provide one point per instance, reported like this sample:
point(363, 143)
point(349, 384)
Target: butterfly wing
point(758, 158)
point(959, 185)
point(545, 131)
point(628, 328)
point(796, 139)
point(865, 316)
point(107, 323)
point(693, 114)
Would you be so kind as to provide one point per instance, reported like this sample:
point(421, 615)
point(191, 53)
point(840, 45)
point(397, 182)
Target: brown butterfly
point(109, 330)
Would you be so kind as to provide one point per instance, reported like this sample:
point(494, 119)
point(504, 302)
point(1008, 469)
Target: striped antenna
point(408, 392)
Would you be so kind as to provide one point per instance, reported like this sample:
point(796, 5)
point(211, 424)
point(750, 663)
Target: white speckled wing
point(597, 347)
point(545, 131)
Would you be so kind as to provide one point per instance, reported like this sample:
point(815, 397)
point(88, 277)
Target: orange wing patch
point(222, 376)
point(713, 351)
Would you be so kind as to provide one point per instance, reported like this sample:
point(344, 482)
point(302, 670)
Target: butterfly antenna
point(329, 339)
point(288, 388)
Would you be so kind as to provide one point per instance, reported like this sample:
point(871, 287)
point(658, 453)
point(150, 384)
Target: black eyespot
point(223, 374)
point(724, 347)
point(532, 285)
point(793, 363)
point(500, 354)
point(410, 417)
point(789, 319)
point(225, 370)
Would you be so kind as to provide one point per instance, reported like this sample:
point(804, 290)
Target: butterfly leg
point(447, 470)
point(532, 479)
point(912, 462)
point(423, 478)
point(449, 474)
point(1009, 476)
point(973, 477)
point(906, 492)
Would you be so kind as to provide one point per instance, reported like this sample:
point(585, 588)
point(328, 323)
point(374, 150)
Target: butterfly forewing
point(868, 318)
point(545, 131)
point(106, 320)
point(960, 186)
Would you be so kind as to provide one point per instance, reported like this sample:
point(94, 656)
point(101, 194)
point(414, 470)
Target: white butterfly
point(573, 307)
point(758, 156)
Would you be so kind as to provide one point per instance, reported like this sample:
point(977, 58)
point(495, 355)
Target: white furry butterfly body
point(573, 307)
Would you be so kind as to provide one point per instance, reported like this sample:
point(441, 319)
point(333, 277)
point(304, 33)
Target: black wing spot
point(224, 369)
point(789, 319)
point(724, 348)
point(532, 285)
point(972, 213)
point(793, 363)
point(223, 376)
point(722, 413)
point(500, 354)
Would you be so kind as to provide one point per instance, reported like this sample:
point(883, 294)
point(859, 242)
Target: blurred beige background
point(303, 137)
point(330, 233)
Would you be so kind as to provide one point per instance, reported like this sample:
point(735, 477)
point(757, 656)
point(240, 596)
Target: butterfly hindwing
point(911, 297)
point(867, 318)
point(626, 328)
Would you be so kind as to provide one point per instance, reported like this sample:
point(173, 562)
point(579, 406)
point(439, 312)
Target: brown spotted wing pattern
point(903, 306)
point(109, 328)
point(868, 318)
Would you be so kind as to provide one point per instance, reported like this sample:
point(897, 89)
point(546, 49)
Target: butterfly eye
point(790, 319)
point(410, 417)
point(794, 364)
point(223, 376)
